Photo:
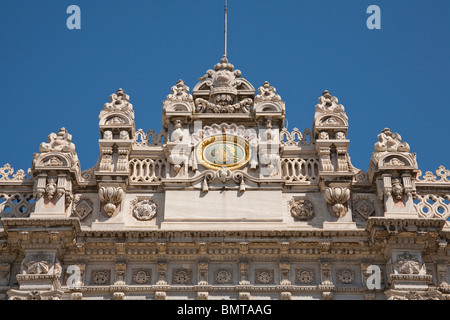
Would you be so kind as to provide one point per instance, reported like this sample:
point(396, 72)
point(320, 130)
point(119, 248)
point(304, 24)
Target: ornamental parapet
point(224, 202)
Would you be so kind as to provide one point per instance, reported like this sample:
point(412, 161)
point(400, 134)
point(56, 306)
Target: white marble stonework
point(223, 206)
point(225, 202)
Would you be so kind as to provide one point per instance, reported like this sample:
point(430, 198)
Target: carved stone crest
point(301, 209)
point(223, 83)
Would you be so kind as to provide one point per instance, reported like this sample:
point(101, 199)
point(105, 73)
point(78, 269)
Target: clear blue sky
point(396, 77)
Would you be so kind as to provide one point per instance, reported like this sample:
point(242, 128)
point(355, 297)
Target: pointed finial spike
point(226, 27)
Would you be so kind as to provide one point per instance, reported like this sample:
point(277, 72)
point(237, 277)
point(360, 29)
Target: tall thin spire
point(226, 18)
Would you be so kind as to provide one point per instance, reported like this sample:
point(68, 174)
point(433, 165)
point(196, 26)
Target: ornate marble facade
point(224, 203)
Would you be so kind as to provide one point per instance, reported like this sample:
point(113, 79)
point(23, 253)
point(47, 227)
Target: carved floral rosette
point(223, 276)
point(264, 276)
point(305, 276)
point(141, 276)
point(182, 276)
point(144, 208)
point(100, 276)
point(346, 276)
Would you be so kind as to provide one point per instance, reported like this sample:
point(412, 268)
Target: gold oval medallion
point(227, 151)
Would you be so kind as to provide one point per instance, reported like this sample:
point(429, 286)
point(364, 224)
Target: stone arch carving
point(268, 107)
point(54, 161)
point(332, 120)
point(225, 129)
point(179, 107)
point(395, 160)
point(115, 118)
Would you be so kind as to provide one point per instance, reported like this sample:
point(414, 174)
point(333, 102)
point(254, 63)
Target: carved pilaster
point(285, 268)
point(342, 160)
point(106, 159)
point(243, 272)
point(325, 159)
point(202, 272)
point(326, 283)
point(121, 268)
point(202, 295)
point(442, 276)
point(161, 269)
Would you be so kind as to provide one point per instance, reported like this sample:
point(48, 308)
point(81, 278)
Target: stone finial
point(118, 101)
point(329, 104)
point(61, 142)
point(267, 93)
point(180, 92)
point(390, 142)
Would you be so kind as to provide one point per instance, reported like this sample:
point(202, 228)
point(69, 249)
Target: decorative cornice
point(194, 235)
point(404, 224)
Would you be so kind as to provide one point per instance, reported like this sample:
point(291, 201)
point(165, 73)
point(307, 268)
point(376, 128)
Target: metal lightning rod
point(226, 18)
